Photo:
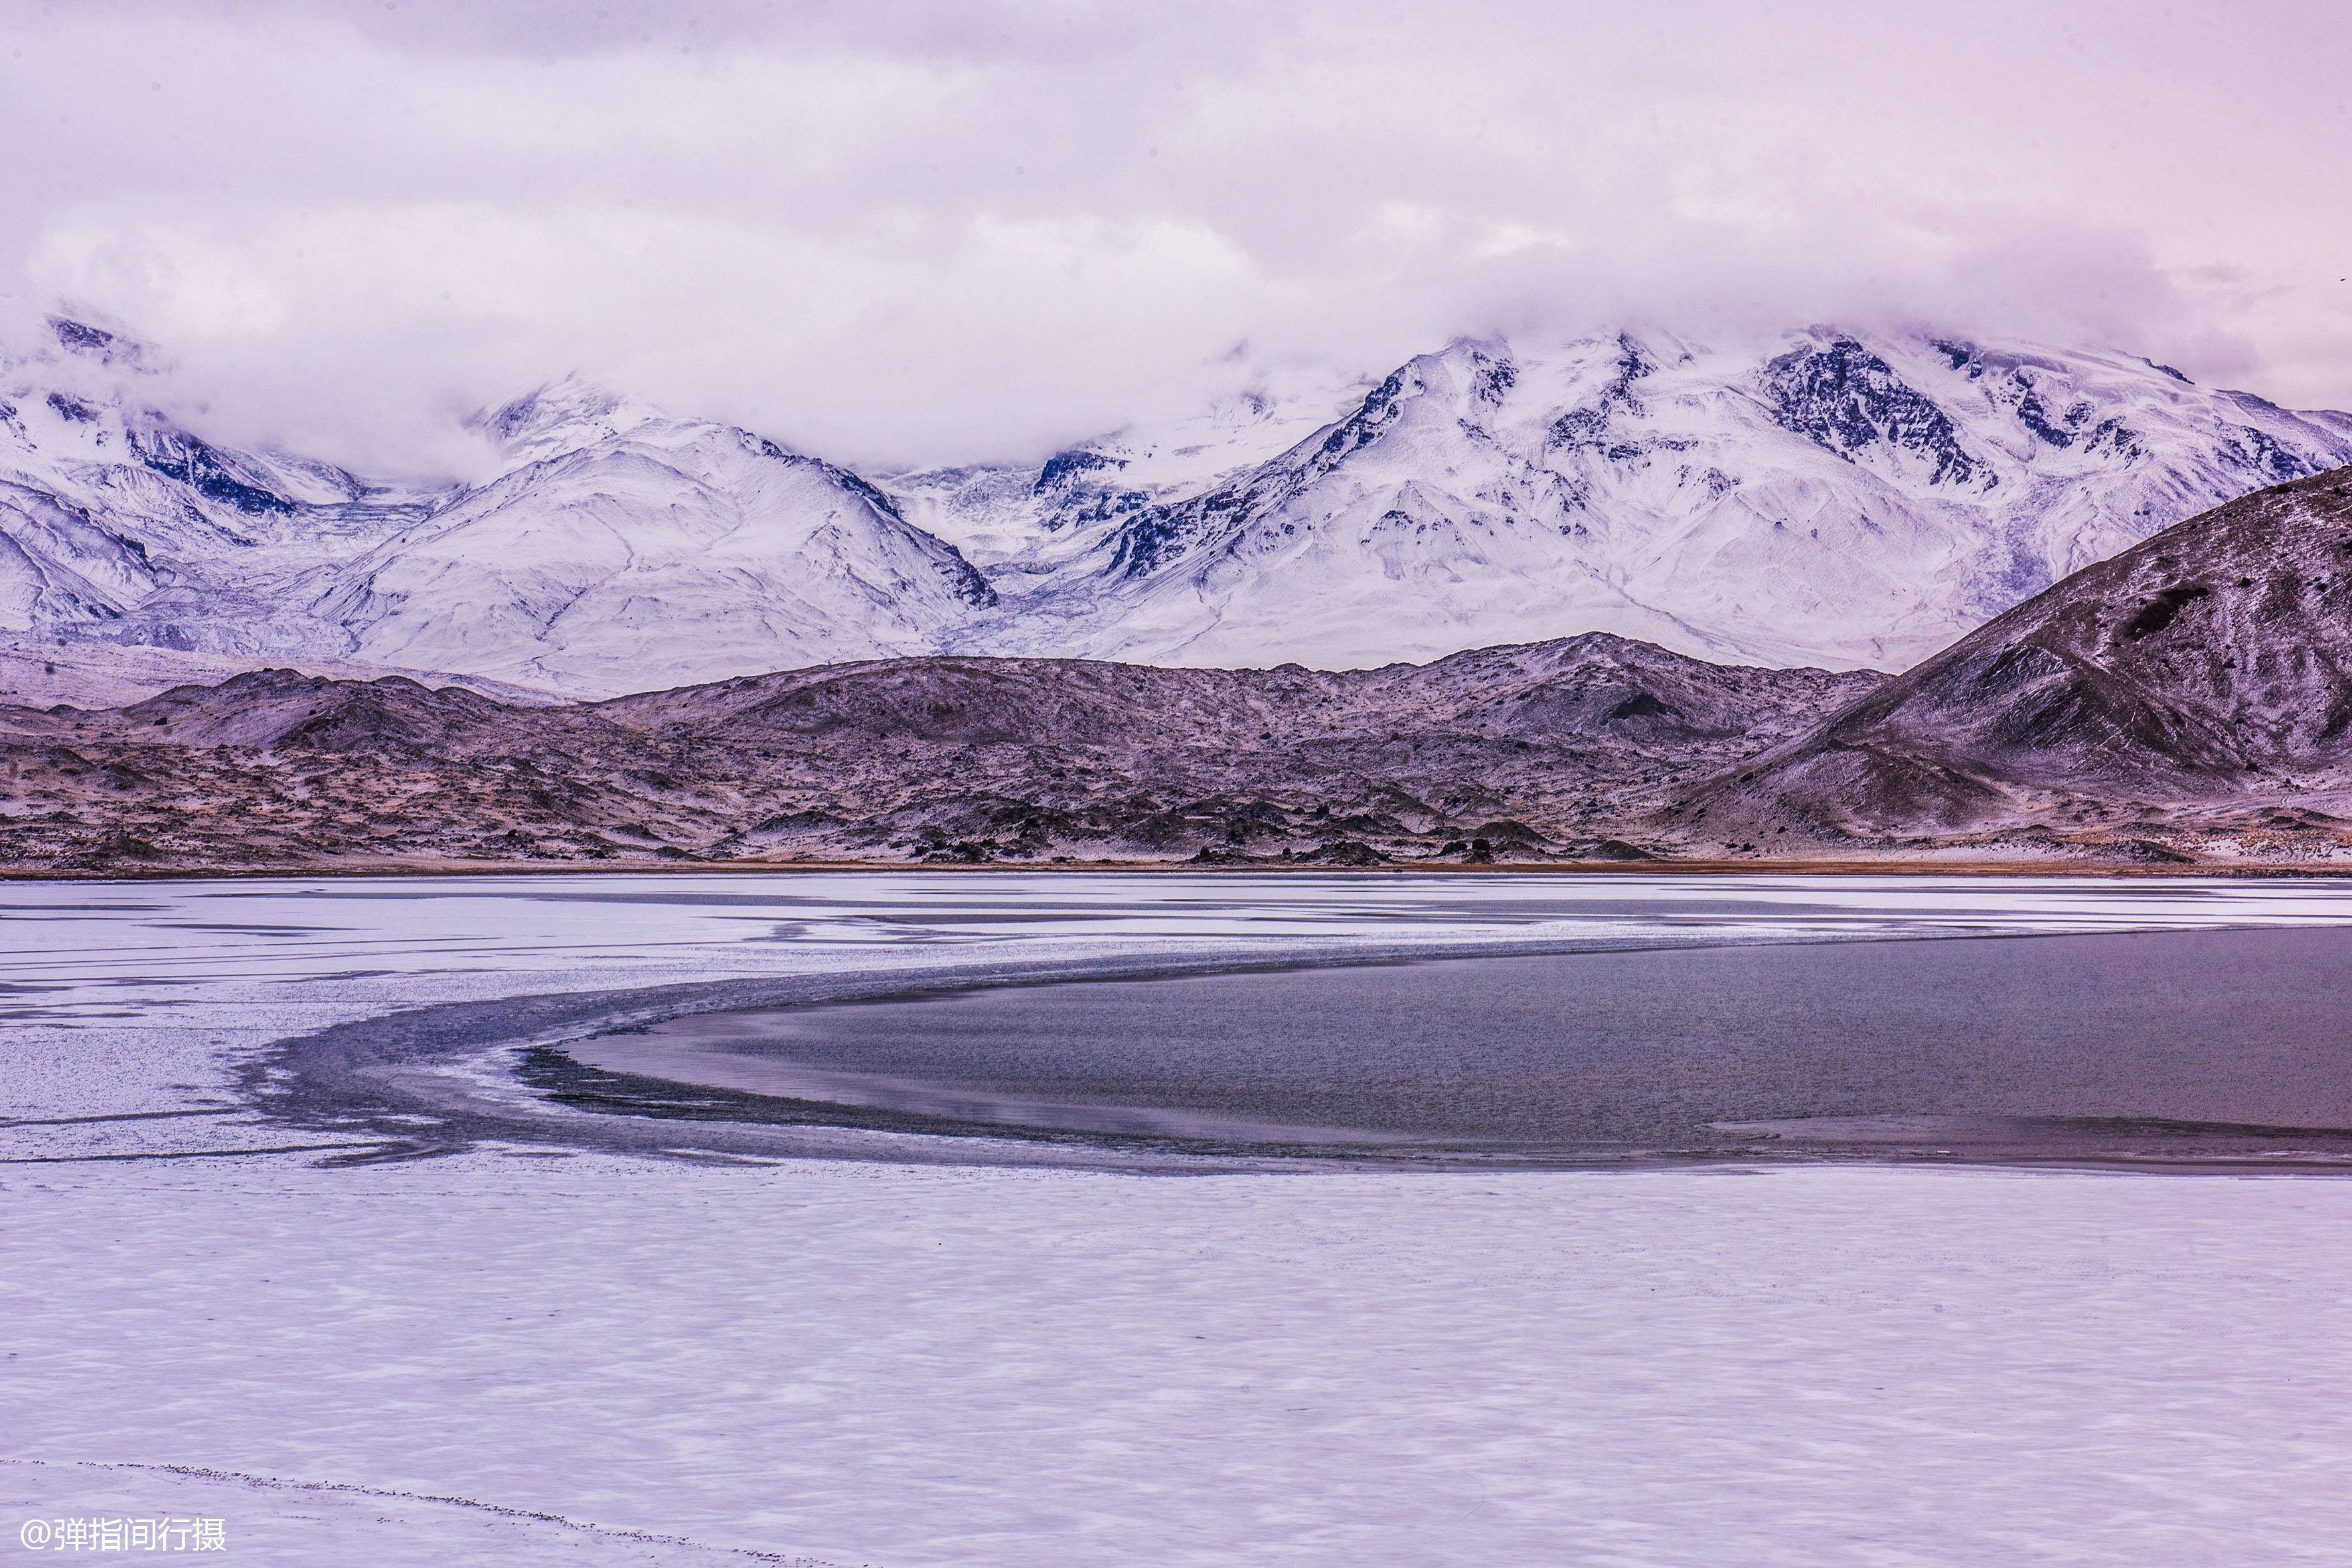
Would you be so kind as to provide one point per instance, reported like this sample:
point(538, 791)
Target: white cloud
point(945, 231)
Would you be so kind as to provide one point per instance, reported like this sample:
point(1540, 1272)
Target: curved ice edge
point(444, 1078)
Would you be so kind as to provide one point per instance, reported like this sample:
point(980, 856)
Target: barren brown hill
point(2191, 696)
point(1550, 750)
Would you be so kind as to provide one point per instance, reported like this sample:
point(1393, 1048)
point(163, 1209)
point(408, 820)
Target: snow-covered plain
point(522, 1353)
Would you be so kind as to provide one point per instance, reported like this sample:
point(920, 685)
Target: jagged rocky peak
point(1437, 392)
point(1023, 518)
point(1844, 398)
point(1065, 468)
point(82, 419)
point(1586, 427)
point(1411, 414)
point(1081, 488)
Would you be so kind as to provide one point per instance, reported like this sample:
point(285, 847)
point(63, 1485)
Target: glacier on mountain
point(1836, 498)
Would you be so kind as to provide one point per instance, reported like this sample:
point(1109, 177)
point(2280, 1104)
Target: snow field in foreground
point(897, 1366)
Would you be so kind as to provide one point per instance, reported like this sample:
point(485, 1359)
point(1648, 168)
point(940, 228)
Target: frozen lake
point(1614, 1013)
point(301, 1234)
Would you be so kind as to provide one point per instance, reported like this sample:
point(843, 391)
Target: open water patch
point(2225, 1048)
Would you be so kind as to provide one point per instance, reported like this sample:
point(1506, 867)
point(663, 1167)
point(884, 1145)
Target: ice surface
point(505, 1356)
point(134, 999)
point(877, 1365)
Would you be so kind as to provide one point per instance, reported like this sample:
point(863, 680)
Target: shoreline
point(386, 1000)
point(2251, 871)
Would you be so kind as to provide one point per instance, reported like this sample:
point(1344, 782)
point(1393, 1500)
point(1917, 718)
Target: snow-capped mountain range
point(1844, 499)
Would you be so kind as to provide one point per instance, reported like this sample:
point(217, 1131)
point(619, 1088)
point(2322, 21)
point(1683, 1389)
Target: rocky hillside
point(2191, 696)
point(1544, 750)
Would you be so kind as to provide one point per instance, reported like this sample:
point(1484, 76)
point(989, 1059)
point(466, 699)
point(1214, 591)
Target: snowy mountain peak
point(101, 344)
point(1845, 497)
point(564, 416)
point(1838, 497)
point(626, 548)
point(105, 502)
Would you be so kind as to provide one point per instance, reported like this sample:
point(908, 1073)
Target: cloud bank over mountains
point(919, 234)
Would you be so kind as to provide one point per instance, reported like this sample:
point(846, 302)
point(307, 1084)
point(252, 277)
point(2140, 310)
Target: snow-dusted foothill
point(1543, 751)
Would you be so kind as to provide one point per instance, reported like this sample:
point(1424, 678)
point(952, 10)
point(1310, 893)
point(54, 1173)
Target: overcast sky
point(953, 231)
